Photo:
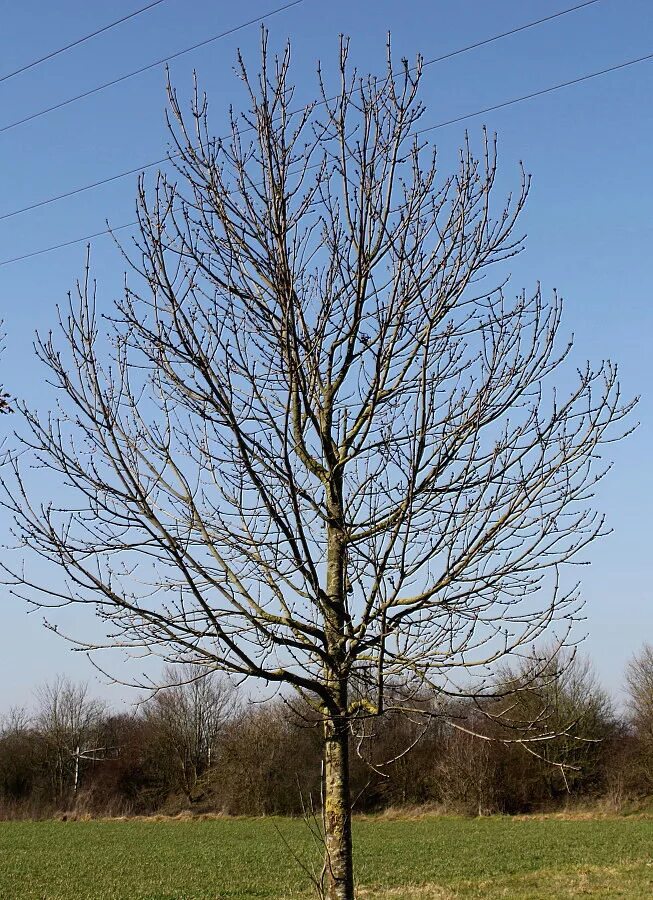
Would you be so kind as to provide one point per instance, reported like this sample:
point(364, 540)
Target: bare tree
point(565, 702)
point(188, 717)
point(639, 685)
point(319, 444)
point(18, 765)
point(68, 721)
point(639, 682)
point(466, 767)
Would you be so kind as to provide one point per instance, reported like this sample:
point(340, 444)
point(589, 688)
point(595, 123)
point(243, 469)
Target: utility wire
point(540, 93)
point(76, 43)
point(480, 112)
point(152, 65)
point(158, 162)
point(504, 34)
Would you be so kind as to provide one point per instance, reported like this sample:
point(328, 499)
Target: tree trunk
point(339, 868)
point(337, 811)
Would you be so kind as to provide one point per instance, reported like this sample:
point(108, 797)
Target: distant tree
point(566, 702)
point(269, 762)
point(187, 717)
point(639, 685)
point(467, 766)
point(18, 760)
point(326, 446)
point(68, 723)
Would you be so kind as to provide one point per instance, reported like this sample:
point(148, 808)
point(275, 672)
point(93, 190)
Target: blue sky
point(589, 219)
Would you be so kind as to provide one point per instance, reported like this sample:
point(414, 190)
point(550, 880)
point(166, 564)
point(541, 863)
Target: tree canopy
point(322, 446)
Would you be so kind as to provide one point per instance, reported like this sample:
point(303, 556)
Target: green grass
point(402, 859)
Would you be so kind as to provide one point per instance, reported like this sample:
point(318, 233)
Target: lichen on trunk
point(338, 863)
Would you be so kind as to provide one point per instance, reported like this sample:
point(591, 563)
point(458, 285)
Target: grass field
point(420, 858)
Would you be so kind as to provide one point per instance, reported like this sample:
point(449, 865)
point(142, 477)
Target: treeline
point(197, 746)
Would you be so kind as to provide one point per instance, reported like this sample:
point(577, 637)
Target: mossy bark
point(337, 800)
point(337, 811)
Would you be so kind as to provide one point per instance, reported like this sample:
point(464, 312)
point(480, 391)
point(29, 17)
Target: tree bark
point(337, 811)
point(339, 868)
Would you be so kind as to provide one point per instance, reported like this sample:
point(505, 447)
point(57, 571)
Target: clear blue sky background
point(589, 220)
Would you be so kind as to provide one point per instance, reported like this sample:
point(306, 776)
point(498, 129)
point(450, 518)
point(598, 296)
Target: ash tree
point(314, 442)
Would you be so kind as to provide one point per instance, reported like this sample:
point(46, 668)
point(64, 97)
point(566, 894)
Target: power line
point(78, 41)
point(517, 30)
point(152, 65)
point(480, 112)
point(540, 93)
point(158, 162)
point(53, 247)
point(86, 187)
